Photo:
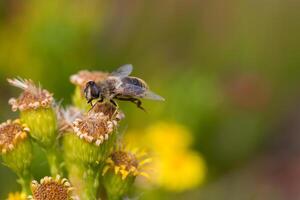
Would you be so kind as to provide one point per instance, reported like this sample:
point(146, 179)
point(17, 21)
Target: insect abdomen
point(135, 81)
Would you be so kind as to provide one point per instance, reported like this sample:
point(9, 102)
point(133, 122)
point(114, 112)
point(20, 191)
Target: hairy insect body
point(120, 86)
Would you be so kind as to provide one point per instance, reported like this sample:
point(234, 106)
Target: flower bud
point(91, 140)
point(15, 147)
point(35, 105)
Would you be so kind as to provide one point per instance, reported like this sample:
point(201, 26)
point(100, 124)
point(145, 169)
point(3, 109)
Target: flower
point(82, 77)
point(125, 163)
point(16, 196)
point(50, 189)
point(15, 148)
point(109, 110)
point(94, 128)
point(176, 166)
point(33, 97)
point(88, 145)
point(12, 132)
point(174, 135)
point(36, 109)
point(92, 136)
point(180, 171)
point(79, 80)
point(121, 169)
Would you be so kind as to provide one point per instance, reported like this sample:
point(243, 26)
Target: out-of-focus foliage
point(229, 71)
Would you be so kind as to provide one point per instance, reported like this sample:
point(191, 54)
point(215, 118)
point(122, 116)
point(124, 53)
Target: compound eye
point(94, 91)
point(91, 91)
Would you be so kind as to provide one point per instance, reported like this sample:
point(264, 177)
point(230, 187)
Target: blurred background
point(229, 70)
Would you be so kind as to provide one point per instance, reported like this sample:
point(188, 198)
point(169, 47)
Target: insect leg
point(114, 103)
point(99, 101)
point(137, 102)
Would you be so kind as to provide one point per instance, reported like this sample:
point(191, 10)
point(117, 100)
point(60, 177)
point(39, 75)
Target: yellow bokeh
point(182, 171)
point(176, 167)
point(167, 137)
point(16, 196)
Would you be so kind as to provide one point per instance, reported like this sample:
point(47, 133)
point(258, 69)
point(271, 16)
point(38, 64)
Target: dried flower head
point(33, 97)
point(94, 127)
point(15, 146)
point(92, 138)
point(82, 77)
point(126, 162)
point(109, 110)
point(11, 132)
point(66, 117)
point(50, 189)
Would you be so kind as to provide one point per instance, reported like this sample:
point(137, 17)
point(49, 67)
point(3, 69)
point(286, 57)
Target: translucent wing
point(123, 71)
point(131, 90)
point(151, 95)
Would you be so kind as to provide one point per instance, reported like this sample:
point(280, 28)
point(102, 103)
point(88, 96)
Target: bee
point(120, 86)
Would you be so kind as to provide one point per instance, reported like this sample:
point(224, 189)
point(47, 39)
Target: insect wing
point(151, 95)
point(123, 71)
point(139, 92)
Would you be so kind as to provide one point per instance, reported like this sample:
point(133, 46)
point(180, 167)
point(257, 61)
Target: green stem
point(24, 180)
point(85, 180)
point(116, 187)
point(111, 196)
point(91, 183)
point(53, 161)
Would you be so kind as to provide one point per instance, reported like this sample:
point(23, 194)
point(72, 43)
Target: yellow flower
point(15, 146)
point(11, 133)
point(126, 162)
point(179, 172)
point(121, 169)
point(50, 189)
point(16, 196)
point(176, 166)
point(167, 137)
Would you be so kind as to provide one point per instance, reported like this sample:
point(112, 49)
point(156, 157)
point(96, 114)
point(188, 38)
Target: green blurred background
point(229, 71)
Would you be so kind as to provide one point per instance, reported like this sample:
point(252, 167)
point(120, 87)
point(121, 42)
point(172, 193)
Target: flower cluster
point(80, 142)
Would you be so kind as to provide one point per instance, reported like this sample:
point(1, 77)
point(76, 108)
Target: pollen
point(49, 189)
point(11, 133)
point(32, 97)
point(82, 77)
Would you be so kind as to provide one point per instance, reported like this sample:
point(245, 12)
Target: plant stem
point(85, 180)
point(53, 161)
point(91, 183)
point(24, 181)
